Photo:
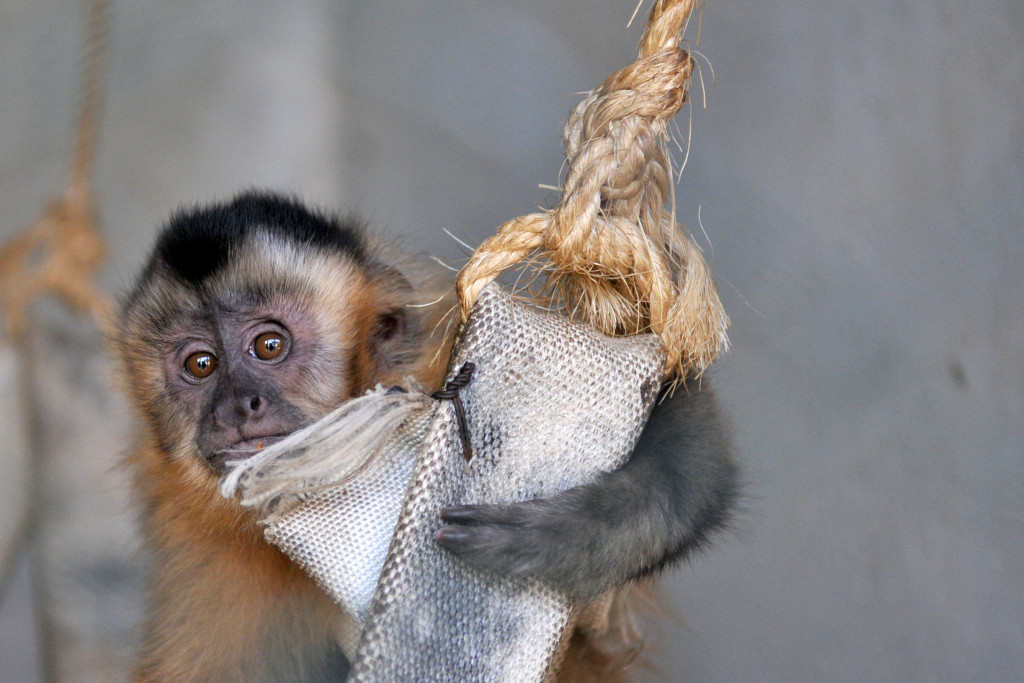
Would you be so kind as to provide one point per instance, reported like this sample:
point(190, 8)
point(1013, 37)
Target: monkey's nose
point(251, 406)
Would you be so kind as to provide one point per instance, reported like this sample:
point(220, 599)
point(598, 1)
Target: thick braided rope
point(615, 256)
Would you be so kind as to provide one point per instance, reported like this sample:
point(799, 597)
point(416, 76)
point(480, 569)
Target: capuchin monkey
point(256, 317)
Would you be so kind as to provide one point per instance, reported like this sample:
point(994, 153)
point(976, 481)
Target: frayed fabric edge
point(327, 453)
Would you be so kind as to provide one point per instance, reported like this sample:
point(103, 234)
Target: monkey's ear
point(391, 341)
point(390, 324)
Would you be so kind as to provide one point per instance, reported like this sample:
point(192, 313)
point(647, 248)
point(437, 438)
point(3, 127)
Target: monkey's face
point(245, 375)
point(272, 341)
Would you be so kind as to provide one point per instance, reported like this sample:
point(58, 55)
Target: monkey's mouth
point(242, 450)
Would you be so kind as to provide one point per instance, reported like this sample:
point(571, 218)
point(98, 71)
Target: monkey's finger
point(497, 549)
point(451, 536)
point(478, 514)
point(471, 540)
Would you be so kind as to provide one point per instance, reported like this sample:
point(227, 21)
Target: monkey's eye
point(268, 346)
point(201, 364)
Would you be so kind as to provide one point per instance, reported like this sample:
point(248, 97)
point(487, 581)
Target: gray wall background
point(858, 171)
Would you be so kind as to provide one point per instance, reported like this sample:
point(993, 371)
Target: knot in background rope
point(613, 253)
point(62, 250)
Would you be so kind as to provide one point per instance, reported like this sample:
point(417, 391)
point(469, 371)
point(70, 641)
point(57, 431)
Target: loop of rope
point(613, 252)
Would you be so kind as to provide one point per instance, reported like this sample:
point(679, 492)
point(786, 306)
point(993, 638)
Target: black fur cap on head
point(198, 241)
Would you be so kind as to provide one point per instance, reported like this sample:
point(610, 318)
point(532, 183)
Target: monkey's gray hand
point(678, 486)
point(540, 538)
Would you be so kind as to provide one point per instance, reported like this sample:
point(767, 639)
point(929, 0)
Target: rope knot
point(618, 260)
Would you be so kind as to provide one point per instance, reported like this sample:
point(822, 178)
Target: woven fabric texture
point(340, 536)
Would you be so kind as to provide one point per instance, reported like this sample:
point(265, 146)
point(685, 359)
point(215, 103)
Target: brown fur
point(585, 663)
point(221, 597)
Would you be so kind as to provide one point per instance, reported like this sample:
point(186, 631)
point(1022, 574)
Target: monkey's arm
point(678, 487)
